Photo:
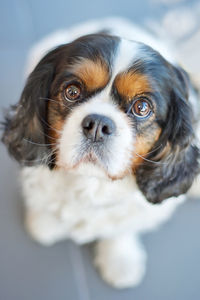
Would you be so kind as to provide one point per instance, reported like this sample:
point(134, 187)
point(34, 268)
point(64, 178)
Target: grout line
point(79, 271)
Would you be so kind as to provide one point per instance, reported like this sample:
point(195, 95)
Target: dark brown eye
point(72, 92)
point(141, 108)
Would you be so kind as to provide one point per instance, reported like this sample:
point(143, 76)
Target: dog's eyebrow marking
point(95, 74)
point(129, 84)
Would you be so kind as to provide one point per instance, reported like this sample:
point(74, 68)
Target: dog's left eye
point(141, 108)
point(72, 92)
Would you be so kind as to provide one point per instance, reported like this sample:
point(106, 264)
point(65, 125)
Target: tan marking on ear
point(143, 146)
point(56, 124)
point(131, 84)
point(94, 74)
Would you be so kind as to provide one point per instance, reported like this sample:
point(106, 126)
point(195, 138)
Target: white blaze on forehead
point(127, 52)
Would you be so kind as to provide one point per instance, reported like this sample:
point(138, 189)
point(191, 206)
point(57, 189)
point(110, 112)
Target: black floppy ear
point(174, 167)
point(24, 126)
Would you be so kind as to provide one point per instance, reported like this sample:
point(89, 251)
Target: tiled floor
point(64, 271)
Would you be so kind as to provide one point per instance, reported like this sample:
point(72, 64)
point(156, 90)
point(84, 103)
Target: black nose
point(97, 128)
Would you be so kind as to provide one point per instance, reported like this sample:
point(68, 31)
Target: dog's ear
point(174, 167)
point(25, 124)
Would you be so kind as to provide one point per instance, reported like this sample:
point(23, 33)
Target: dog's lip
point(92, 155)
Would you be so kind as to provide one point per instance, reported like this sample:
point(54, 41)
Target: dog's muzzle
point(98, 128)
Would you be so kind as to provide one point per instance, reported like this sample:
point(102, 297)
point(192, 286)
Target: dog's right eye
point(72, 92)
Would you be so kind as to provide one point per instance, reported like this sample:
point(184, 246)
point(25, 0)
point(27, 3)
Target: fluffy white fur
point(83, 204)
point(72, 205)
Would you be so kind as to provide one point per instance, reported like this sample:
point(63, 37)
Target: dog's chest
point(89, 207)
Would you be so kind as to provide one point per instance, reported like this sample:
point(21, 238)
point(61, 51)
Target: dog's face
point(113, 103)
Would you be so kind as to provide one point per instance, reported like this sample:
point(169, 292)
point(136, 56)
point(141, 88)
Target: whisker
point(51, 161)
point(42, 145)
point(31, 161)
point(42, 160)
point(45, 134)
point(151, 161)
point(50, 137)
point(51, 155)
point(42, 120)
point(56, 101)
point(155, 149)
point(46, 157)
point(49, 99)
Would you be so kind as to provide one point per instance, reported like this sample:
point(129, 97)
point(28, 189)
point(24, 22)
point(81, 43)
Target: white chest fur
point(88, 207)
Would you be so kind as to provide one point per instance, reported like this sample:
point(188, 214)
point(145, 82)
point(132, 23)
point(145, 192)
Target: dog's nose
point(97, 127)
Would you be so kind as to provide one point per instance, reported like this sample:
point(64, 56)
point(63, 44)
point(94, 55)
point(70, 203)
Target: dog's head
point(113, 103)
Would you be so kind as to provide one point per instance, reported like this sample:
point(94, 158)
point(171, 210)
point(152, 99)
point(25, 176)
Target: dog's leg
point(44, 227)
point(121, 261)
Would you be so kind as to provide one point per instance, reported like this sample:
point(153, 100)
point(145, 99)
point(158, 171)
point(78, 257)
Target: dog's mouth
point(96, 160)
point(95, 153)
point(89, 157)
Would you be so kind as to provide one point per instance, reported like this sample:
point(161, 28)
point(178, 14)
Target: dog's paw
point(120, 266)
point(122, 272)
point(44, 228)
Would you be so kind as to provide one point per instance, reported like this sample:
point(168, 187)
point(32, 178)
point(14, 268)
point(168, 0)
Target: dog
point(104, 132)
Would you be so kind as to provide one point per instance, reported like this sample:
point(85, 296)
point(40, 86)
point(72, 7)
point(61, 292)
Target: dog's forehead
point(117, 53)
point(125, 55)
point(98, 66)
point(109, 55)
point(103, 61)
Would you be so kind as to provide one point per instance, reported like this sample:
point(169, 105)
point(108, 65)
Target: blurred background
point(29, 271)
